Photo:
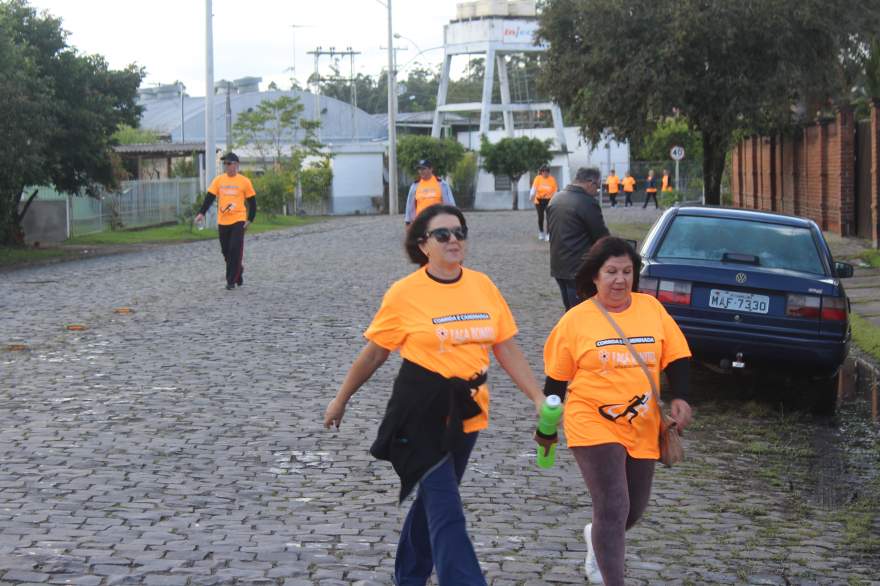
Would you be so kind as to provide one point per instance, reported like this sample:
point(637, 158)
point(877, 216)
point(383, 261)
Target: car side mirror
point(843, 269)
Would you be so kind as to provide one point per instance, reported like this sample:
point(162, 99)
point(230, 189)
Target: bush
point(274, 190)
point(667, 199)
point(444, 153)
point(316, 181)
point(463, 179)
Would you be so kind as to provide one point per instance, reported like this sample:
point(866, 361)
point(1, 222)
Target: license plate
point(734, 301)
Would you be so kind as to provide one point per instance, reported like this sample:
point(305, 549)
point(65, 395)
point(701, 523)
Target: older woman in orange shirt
point(612, 415)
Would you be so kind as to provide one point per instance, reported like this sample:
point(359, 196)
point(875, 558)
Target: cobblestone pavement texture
point(182, 443)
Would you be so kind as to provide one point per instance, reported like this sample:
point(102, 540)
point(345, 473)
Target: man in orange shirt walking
point(236, 209)
point(543, 189)
point(425, 192)
point(612, 182)
point(629, 186)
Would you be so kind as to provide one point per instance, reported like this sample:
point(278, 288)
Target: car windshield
point(773, 245)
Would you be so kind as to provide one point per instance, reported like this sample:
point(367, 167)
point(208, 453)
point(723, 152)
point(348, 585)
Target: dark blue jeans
point(569, 293)
point(434, 534)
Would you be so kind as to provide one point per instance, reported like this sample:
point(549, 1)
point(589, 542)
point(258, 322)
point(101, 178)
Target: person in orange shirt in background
point(426, 191)
point(650, 190)
point(543, 188)
point(629, 186)
point(612, 183)
point(666, 181)
point(443, 318)
point(611, 415)
point(236, 209)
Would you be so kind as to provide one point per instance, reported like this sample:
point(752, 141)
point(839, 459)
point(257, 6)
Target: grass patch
point(872, 257)
point(630, 231)
point(14, 256)
point(866, 335)
point(184, 232)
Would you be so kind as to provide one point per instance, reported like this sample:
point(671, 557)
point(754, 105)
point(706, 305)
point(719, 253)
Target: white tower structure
point(493, 28)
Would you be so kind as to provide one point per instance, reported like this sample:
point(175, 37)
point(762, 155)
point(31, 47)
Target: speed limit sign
point(677, 153)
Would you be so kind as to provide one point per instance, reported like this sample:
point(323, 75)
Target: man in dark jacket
point(575, 221)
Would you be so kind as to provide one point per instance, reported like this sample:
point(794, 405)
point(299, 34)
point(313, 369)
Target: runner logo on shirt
point(631, 410)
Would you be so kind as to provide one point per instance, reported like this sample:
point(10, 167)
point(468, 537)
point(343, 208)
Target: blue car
point(753, 291)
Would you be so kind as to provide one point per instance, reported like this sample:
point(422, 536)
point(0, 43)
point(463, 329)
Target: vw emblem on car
point(741, 278)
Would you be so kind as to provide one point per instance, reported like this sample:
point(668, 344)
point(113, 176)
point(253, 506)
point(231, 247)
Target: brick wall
point(810, 175)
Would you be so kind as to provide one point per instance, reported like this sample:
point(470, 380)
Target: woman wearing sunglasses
point(443, 318)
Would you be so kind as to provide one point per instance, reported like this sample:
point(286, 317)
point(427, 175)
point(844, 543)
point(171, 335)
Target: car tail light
point(678, 292)
point(834, 308)
point(648, 285)
point(798, 305)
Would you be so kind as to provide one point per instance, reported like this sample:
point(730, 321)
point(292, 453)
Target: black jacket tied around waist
point(424, 421)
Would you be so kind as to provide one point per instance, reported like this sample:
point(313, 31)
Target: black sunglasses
point(229, 162)
point(444, 234)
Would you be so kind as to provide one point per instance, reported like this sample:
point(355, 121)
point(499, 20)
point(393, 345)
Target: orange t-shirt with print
point(447, 328)
point(613, 182)
point(231, 193)
point(427, 194)
point(545, 187)
point(629, 184)
point(609, 397)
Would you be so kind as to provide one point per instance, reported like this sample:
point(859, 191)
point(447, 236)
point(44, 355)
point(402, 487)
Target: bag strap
point(629, 347)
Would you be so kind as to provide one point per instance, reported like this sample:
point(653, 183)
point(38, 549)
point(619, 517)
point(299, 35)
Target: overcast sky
point(251, 37)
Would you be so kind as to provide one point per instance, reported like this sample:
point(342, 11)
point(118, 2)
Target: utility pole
point(317, 78)
point(181, 88)
point(228, 116)
point(392, 120)
point(293, 81)
point(210, 148)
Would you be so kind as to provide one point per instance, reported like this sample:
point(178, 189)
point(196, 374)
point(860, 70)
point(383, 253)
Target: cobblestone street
point(182, 443)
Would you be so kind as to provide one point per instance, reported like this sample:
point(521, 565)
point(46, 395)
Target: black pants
point(629, 198)
point(613, 198)
point(651, 195)
point(541, 206)
point(232, 246)
point(569, 293)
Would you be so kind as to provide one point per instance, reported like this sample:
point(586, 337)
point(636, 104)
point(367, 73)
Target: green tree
point(463, 180)
point(622, 66)
point(60, 110)
point(513, 158)
point(444, 153)
point(270, 128)
point(126, 134)
point(673, 131)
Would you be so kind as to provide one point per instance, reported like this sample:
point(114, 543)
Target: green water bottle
point(548, 420)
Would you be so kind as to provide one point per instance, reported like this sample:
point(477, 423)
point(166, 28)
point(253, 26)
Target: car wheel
point(823, 395)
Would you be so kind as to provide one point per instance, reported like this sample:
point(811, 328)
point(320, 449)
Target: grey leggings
point(620, 487)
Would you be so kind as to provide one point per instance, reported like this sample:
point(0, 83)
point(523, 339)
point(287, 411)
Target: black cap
point(544, 168)
point(231, 157)
point(424, 163)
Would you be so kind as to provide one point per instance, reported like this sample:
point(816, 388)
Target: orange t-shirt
point(629, 184)
point(609, 397)
point(428, 194)
point(665, 183)
point(545, 188)
point(231, 193)
point(447, 328)
point(613, 182)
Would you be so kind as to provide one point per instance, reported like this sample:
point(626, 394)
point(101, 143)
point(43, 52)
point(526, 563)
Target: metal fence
point(135, 205)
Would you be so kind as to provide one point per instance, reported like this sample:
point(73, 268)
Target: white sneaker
point(540, 235)
point(546, 237)
point(591, 567)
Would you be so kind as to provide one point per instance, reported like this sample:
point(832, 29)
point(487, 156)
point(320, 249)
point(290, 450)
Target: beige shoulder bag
point(671, 447)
